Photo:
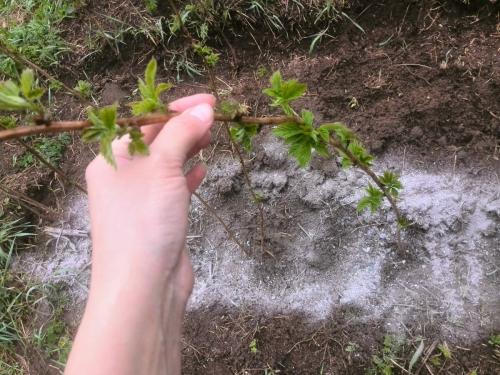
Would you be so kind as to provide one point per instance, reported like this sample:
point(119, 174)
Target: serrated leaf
point(150, 93)
point(345, 162)
point(137, 145)
point(108, 116)
point(162, 87)
point(27, 79)
point(324, 134)
point(322, 149)
point(276, 80)
point(287, 130)
point(284, 92)
point(150, 73)
point(360, 153)
point(344, 134)
point(10, 88)
point(103, 129)
point(106, 150)
point(307, 117)
point(391, 182)
point(373, 200)
point(13, 103)
point(445, 350)
point(302, 152)
point(143, 107)
point(416, 356)
point(243, 134)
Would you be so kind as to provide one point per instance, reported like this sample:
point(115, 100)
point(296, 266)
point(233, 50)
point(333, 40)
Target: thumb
point(183, 132)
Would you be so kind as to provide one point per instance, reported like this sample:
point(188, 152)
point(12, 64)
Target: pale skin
point(141, 273)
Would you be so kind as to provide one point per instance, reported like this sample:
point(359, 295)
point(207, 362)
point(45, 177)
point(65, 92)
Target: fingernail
point(202, 112)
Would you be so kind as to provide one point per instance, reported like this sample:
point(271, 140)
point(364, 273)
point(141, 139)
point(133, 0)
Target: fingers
point(195, 177)
point(204, 142)
point(120, 146)
point(180, 105)
point(182, 133)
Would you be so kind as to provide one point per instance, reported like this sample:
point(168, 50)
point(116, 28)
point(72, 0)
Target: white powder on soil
point(449, 277)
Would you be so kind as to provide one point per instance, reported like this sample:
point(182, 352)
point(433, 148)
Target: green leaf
point(284, 92)
point(416, 356)
point(344, 134)
point(210, 57)
point(373, 200)
point(162, 87)
point(243, 134)
point(302, 152)
point(150, 73)
point(7, 122)
point(307, 117)
point(28, 87)
point(322, 149)
point(404, 222)
point(360, 153)
point(106, 150)
point(287, 130)
point(26, 81)
point(445, 350)
point(84, 88)
point(137, 145)
point(103, 129)
point(150, 93)
point(10, 88)
point(391, 182)
point(13, 103)
point(345, 162)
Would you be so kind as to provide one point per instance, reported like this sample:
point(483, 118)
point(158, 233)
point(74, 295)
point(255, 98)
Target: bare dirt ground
point(426, 80)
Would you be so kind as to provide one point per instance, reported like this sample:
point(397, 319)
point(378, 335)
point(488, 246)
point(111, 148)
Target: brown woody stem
point(53, 127)
point(399, 217)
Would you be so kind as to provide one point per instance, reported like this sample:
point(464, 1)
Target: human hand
point(140, 266)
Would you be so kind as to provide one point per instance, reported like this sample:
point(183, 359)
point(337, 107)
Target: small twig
point(24, 61)
point(26, 201)
point(399, 217)
point(53, 127)
point(49, 165)
point(213, 88)
point(214, 213)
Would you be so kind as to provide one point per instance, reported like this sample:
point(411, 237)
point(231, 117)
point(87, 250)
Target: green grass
point(31, 27)
point(19, 300)
point(51, 148)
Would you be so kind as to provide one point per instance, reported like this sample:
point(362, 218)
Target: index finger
point(179, 105)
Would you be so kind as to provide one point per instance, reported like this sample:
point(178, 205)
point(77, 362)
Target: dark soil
point(218, 341)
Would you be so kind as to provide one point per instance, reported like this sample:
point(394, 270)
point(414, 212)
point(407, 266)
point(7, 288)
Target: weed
point(151, 5)
point(52, 149)
point(352, 347)
point(494, 340)
point(383, 363)
point(261, 71)
point(32, 31)
point(19, 299)
point(84, 88)
point(253, 346)
point(53, 337)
